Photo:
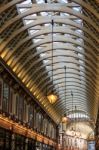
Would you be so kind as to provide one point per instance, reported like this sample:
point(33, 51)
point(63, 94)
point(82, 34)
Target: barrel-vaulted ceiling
point(26, 47)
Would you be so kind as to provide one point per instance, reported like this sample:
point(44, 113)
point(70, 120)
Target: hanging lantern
point(52, 98)
point(65, 119)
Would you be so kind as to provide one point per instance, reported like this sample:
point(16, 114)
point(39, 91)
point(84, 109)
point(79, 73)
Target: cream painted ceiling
point(26, 47)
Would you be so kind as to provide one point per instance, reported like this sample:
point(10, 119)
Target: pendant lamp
point(65, 119)
point(52, 97)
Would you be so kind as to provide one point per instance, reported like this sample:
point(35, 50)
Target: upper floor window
point(0, 92)
point(5, 101)
point(20, 109)
point(30, 116)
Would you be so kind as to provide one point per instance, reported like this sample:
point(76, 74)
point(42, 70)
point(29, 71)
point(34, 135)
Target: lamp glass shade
point(65, 119)
point(52, 98)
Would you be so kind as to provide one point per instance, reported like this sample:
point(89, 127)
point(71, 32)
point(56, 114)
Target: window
point(24, 111)
point(5, 97)
point(0, 92)
point(20, 109)
point(45, 127)
point(39, 121)
point(34, 118)
point(17, 103)
point(10, 101)
point(49, 131)
point(42, 123)
point(30, 116)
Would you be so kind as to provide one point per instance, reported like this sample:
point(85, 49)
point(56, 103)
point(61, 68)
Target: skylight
point(67, 50)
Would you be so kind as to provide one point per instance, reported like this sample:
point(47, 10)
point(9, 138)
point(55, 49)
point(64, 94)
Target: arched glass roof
point(26, 46)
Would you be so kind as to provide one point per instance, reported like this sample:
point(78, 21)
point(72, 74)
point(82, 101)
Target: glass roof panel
point(68, 47)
